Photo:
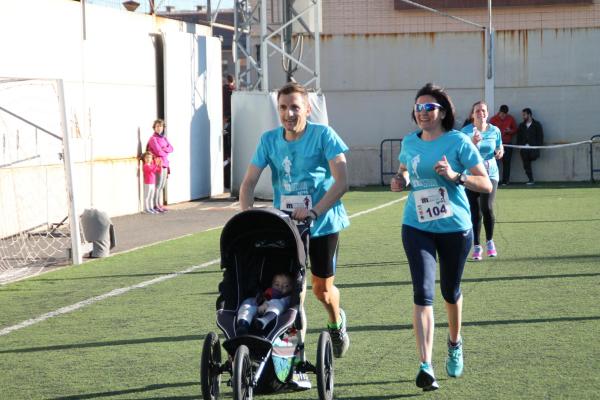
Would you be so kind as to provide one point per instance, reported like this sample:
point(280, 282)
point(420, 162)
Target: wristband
point(313, 212)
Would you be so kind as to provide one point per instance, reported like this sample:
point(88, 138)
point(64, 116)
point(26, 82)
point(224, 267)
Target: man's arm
point(248, 185)
point(339, 171)
point(512, 126)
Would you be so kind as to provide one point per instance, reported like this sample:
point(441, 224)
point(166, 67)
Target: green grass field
point(531, 316)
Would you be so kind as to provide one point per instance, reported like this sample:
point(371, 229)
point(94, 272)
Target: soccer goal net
point(35, 208)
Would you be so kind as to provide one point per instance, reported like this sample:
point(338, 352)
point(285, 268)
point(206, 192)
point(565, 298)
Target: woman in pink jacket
point(160, 147)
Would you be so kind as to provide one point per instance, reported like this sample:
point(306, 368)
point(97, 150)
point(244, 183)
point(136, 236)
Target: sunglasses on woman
point(427, 107)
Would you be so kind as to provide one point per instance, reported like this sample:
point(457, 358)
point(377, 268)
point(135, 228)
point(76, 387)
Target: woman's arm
point(478, 181)
point(401, 180)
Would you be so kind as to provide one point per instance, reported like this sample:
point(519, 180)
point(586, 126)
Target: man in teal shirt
point(309, 177)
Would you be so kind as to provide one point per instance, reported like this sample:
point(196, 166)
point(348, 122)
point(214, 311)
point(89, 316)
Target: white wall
point(110, 89)
point(370, 83)
point(193, 111)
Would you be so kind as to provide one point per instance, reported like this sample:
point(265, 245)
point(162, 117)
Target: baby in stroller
point(267, 305)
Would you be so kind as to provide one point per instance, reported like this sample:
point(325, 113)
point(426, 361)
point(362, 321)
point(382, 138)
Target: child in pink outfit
point(160, 147)
point(151, 168)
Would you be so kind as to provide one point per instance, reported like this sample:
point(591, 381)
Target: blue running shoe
point(425, 378)
point(454, 362)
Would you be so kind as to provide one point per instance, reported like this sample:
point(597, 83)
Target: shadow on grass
point(387, 397)
point(156, 274)
point(148, 388)
point(530, 277)
point(472, 280)
point(125, 342)
point(363, 328)
point(569, 257)
point(557, 221)
point(376, 328)
point(372, 264)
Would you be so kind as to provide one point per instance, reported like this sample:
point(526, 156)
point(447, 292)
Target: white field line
point(95, 299)
point(120, 291)
point(358, 214)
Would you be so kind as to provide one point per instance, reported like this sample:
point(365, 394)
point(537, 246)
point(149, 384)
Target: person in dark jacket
point(529, 133)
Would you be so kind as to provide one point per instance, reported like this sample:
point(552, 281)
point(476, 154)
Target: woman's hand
point(398, 183)
point(476, 136)
point(444, 169)
point(499, 153)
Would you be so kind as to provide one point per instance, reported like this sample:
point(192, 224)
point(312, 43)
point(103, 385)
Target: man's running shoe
point(425, 378)
point(340, 338)
point(300, 381)
point(477, 253)
point(454, 362)
point(491, 249)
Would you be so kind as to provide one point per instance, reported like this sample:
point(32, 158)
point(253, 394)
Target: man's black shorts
point(323, 255)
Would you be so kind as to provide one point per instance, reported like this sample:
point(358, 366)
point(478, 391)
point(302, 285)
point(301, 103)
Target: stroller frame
point(249, 357)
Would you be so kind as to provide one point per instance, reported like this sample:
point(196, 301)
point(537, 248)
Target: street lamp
point(131, 5)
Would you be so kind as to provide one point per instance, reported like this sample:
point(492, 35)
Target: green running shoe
point(454, 362)
point(425, 378)
point(339, 338)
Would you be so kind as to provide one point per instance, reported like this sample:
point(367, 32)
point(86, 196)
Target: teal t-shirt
point(436, 204)
point(491, 140)
point(301, 168)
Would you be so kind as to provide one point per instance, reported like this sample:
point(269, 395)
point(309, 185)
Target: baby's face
point(282, 283)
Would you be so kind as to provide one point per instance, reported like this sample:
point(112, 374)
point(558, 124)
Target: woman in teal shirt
point(436, 220)
point(488, 140)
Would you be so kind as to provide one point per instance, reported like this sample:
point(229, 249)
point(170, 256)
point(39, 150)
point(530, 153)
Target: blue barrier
point(392, 158)
point(594, 139)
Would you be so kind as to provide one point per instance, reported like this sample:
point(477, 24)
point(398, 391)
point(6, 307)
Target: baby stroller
point(255, 245)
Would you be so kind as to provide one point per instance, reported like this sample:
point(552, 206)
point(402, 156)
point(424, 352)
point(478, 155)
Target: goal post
point(40, 227)
point(76, 256)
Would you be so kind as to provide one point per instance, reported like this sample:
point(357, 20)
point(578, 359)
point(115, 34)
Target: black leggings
point(422, 251)
point(482, 204)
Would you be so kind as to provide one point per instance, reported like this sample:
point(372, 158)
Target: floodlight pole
point(264, 53)
point(489, 82)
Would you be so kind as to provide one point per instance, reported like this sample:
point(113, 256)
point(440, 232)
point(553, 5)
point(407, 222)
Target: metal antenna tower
point(290, 23)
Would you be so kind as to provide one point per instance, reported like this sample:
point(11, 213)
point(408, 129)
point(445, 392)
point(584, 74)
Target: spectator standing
point(508, 128)
point(529, 133)
point(150, 168)
point(160, 147)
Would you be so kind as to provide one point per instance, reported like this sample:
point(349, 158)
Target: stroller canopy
point(261, 228)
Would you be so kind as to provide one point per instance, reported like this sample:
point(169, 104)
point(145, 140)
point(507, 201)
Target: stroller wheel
point(242, 374)
point(325, 367)
point(210, 363)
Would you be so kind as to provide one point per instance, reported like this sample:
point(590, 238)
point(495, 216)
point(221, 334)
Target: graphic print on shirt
point(414, 163)
point(287, 168)
point(297, 193)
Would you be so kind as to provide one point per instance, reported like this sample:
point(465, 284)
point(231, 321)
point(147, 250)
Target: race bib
point(432, 204)
point(291, 202)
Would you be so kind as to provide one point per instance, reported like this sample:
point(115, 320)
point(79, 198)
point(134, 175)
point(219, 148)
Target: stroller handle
point(303, 226)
